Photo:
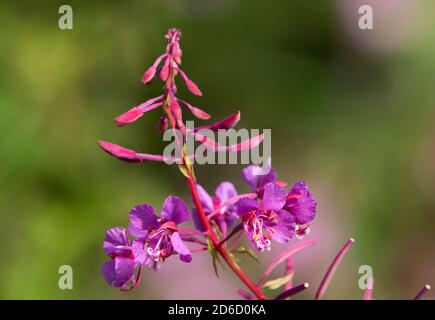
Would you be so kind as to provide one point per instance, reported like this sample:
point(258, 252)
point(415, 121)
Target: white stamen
point(150, 252)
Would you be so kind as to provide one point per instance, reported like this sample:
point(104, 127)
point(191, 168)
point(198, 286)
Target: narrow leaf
point(247, 251)
point(277, 283)
point(215, 257)
point(291, 292)
point(281, 258)
point(331, 270)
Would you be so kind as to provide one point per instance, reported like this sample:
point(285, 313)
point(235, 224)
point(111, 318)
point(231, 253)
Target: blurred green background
point(351, 112)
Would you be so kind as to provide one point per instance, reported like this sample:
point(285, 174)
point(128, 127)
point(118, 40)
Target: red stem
point(291, 292)
point(422, 292)
point(331, 270)
point(203, 217)
point(215, 241)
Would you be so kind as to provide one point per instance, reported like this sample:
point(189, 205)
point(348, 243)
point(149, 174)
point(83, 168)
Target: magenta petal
point(118, 271)
point(197, 221)
point(140, 255)
point(116, 241)
point(273, 197)
point(225, 191)
point(245, 205)
point(180, 247)
point(174, 209)
point(256, 178)
point(285, 229)
point(142, 217)
point(120, 152)
point(205, 198)
point(300, 203)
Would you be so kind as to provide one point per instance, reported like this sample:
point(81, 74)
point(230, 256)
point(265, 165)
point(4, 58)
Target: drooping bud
point(247, 144)
point(193, 87)
point(214, 146)
point(128, 155)
point(136, 112)
point(164, 73)
point(197, 112)
point(128, 117)
point(190, 84)
point(176, 110)
point(227, 123)
point(163, 124)
point(176, 52)
point(151, 72)
point(119, 152)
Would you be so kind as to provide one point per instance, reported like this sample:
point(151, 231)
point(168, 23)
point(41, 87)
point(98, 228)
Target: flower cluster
point(265, 215)
point(268, 213)
point(167, 68)
point(156, 238)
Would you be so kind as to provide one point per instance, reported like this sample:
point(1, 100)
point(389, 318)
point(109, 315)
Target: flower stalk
point(215, 241)
point(266, 213)
point(332, 268)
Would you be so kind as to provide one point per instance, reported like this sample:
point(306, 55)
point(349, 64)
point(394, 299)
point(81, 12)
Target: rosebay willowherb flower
point(267, 213)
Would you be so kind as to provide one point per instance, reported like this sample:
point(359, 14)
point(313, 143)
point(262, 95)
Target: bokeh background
point(351, 112)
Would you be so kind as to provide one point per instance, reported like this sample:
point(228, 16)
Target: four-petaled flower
point(266, 214)
point(218, 208)
point(265, 220)
point(158, 238)
point(301, 206)
point(256, 177)
point(120, 268)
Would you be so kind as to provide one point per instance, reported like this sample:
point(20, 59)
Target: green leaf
point(215, 257)
point(248, 251)
point(189, 164)
point(183, 170)
point(279, 282)
point(216, 226)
